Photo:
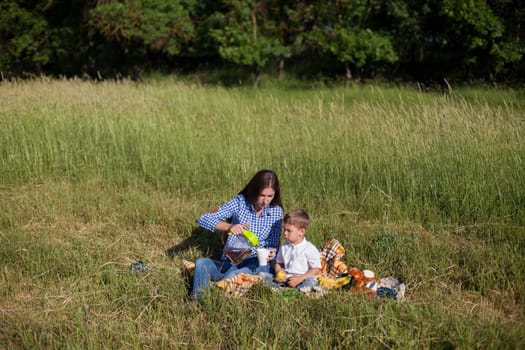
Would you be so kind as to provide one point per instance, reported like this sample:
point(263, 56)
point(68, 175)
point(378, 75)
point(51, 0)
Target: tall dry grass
point(94, 176)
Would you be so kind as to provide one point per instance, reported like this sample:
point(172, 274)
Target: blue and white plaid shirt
point(238, 210)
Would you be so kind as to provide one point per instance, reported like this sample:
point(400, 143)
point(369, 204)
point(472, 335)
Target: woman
point(257, 207)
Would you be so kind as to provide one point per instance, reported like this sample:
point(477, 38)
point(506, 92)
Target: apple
point(280, 276)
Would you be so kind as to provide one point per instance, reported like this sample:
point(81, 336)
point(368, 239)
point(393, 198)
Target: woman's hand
point(271, 253)
point(237, 228)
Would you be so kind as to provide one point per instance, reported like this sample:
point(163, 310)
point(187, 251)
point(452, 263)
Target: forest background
point(235, 41)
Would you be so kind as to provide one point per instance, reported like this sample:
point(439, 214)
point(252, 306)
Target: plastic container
point(242, 246)
point(368, 274)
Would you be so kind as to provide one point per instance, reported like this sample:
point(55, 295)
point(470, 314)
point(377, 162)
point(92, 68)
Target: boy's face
point(293, 234)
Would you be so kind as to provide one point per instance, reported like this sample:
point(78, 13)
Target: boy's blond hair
point(298, 218)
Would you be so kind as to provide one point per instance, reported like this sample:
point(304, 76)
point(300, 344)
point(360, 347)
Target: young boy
point(299, 259)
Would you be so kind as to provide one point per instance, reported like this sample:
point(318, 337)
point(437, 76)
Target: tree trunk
point(281, 67)
point(257, 78)
point(254, 26)
point(348, 79)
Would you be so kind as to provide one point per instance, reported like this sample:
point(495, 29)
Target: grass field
point(421, 186)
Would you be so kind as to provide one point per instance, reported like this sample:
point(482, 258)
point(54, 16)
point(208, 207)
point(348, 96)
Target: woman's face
point(264, 198)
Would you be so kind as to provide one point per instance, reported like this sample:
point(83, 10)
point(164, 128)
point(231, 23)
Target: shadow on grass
point(209, 243)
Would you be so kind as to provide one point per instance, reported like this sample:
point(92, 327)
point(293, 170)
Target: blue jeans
point(207, 270)
point(310, 282)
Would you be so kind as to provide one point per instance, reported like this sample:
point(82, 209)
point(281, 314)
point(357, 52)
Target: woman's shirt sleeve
point(225, 212)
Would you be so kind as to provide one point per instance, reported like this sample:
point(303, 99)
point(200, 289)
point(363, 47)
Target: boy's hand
point(295, 280)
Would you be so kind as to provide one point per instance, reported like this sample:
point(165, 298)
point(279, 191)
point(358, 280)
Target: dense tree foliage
point(462, 40)
point(247, 35)
point(342, 30)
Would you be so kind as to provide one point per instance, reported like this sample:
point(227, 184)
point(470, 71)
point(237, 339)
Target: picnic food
point(332, 283)
point(280, 276)
point(356, 273)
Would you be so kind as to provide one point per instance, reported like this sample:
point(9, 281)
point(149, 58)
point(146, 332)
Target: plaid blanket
point(238, 284)
point(331, 255)
point(332, 268)
point(334, 274)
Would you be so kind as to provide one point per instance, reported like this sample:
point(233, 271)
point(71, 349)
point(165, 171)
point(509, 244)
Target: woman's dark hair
point(261, 180)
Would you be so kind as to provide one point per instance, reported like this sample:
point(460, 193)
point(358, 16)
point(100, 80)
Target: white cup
point(262, 255)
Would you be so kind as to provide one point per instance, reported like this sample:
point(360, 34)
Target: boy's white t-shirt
point(300, 258)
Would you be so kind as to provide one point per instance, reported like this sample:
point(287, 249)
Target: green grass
point(421, 186)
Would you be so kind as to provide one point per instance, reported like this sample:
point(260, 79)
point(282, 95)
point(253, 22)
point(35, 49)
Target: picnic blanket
point(334, 274)
point(239, 284)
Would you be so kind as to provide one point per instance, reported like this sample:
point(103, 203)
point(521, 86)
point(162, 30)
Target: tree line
point(461, 40)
